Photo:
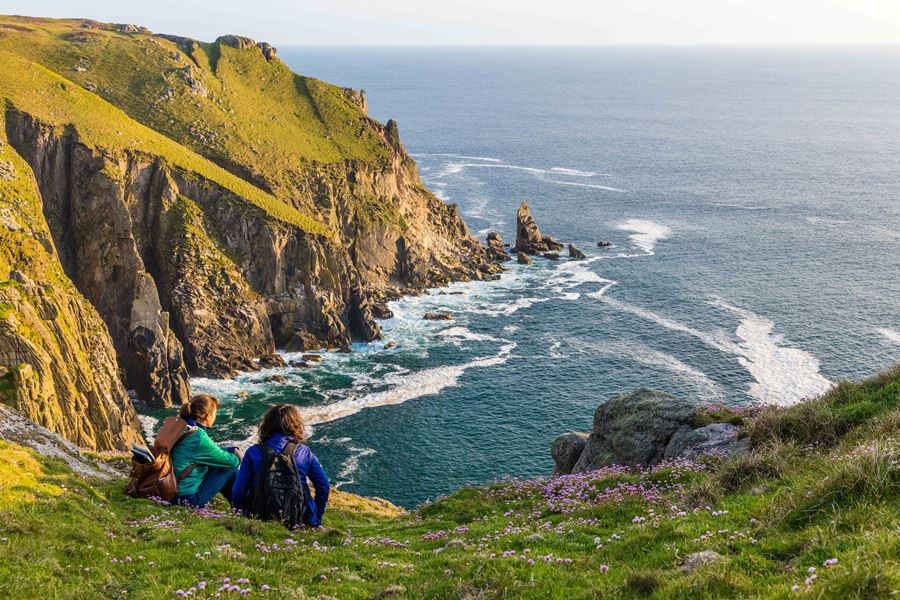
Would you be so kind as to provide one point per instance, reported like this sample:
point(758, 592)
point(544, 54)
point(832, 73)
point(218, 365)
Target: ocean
point(752, 196)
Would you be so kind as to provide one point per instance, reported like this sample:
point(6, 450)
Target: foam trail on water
point(465, 334)
point(573, 274)
point(595, 186)
point(784, 375)
point(890, 335)
point(706, 388)
point(345, 476)
point(427, 382)
point(646, 233)
point(573, 172)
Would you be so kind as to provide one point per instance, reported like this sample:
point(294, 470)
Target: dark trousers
point(216, 480)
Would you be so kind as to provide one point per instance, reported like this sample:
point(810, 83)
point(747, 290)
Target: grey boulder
point(634, 429)
point(566, 449)
point(714, 438)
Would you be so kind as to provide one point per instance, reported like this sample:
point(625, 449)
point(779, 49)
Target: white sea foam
point(707, 389)
point(783, 375)
point(465, 334)
point(345, 476)
point(148, 424)
point(573, 172)
point(573, 274)
point(595, 186)
point(404, 388)
point(741, 206)
point(646, 233)
point(553, 350)
point(890, 335)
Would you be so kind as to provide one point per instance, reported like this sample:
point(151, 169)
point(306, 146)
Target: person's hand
point(239, 454)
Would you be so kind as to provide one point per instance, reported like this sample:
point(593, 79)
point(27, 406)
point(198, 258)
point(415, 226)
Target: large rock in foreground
point(642, 428)
point(634, 429)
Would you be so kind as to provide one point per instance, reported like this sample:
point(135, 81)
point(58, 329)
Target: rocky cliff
point(210, 204)
point(58, 364)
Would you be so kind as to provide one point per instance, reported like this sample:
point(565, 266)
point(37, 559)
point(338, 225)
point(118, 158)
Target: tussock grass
point(833, 509)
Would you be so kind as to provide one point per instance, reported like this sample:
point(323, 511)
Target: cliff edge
point(210, 205)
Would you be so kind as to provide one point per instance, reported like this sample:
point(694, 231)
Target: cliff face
point(210, 204)
point(59, 367)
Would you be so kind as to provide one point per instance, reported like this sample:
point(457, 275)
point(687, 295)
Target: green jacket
point(199, 449)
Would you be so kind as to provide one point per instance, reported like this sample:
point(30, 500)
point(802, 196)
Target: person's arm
point(319, 479)
point(243, 484)
point(210, 455)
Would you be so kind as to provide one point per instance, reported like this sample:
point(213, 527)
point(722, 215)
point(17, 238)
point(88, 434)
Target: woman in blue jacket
point(283, 424)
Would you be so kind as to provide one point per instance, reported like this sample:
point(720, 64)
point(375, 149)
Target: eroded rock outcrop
point(57, 364)
point(643, 428)
point(496, 252)
point(529, 238)
point(17, 429)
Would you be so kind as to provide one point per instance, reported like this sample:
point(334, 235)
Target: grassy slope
point(253, 116)
point(797, 500)
point(33, 89)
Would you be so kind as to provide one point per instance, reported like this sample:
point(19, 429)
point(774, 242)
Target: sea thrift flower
point(604, 568)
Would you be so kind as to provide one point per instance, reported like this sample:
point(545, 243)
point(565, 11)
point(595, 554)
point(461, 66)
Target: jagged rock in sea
point(604, 244)
point(200, 239)
point(566, 449)
point(437, 316)
point(528, 237)
point(551, 255)
point(523, 259)
point(496, 251)
point(644, 428)
point(575, 252)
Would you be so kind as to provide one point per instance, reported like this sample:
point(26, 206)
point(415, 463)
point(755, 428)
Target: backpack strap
point(187, 470)
point(266, 451)
point(290, 448)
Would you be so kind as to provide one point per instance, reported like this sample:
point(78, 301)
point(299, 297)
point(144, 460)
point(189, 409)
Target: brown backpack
point(157, 479)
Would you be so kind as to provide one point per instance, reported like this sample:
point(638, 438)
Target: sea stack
point(528, 237)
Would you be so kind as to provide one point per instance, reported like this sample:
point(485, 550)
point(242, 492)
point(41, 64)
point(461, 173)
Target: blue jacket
point(307, 466)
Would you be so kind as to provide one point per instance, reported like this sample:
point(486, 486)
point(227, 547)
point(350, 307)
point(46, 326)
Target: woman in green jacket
point(205, 468)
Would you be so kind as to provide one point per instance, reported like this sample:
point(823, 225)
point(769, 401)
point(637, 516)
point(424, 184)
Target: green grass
point(254, 117)
point(786, 508)
point(32, 89)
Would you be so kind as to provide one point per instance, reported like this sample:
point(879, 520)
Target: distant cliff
point(208, 204)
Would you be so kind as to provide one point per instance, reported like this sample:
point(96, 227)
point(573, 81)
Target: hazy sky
point(290, 22)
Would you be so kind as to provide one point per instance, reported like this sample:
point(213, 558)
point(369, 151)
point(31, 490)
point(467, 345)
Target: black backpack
point(278, 495)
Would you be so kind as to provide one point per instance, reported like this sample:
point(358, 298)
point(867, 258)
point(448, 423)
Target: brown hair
point(199, 407)
point(282, 418)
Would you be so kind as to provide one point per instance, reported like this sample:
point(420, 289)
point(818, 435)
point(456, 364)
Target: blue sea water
point(753, 199)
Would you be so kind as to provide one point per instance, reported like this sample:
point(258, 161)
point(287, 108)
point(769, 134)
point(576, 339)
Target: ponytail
point(199, 407)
